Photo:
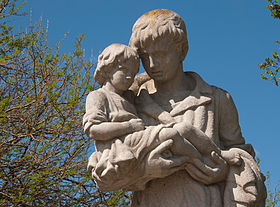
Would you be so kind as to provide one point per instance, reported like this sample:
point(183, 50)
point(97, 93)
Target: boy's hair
point(111, 55)
point(157, 24)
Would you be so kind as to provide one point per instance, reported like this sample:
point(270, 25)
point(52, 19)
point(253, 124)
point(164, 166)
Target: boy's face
point(160, 59)
point(122, 76)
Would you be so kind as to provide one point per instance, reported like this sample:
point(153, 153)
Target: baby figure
point(121, 139)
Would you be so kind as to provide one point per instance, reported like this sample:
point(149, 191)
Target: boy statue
point(168, 96)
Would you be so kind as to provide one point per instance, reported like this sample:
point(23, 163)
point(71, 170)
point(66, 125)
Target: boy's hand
point(232, 157)
point(157, 166)
point(209, 175)
point(136, 124)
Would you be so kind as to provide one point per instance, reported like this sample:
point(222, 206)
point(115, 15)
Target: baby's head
point(116, 57)
point(157, 25)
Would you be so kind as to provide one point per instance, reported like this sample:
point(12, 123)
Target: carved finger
point(197, 174)
point(100, 167)
point(161, 148)
point(236, 161)
point(178, 161)
point(218, 159)
point(205, 168)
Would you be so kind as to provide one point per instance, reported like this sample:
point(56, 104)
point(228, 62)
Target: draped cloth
point(211, 110)
point(120, 163)
point(113, 160)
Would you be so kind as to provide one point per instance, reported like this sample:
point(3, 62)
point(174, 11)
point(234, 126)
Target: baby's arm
point(203, 143)
point(198, 138)
point(110, 130)
point(195, 136)
point(96, 124)
point(180, 145)
point(146, 105)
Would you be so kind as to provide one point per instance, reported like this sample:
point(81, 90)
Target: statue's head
point(157, 25)
point(113, 58)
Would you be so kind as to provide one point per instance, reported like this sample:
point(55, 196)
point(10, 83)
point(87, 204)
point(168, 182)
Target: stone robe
point(207, 108)
point(211, 110)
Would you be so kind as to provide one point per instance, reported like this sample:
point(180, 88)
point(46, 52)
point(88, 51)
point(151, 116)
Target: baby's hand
point(136, 124)
point(166, 118)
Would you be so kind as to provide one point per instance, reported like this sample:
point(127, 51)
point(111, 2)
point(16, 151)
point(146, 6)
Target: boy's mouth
point(156, 73)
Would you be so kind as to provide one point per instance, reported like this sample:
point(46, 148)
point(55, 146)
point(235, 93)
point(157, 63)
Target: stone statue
point(166, 134)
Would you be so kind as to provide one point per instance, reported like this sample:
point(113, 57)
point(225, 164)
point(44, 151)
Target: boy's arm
point(229, 129)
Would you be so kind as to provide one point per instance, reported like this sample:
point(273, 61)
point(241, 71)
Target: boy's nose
point(128, 77)
point(152, 62)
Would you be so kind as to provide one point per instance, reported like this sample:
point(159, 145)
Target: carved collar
point(201, 95)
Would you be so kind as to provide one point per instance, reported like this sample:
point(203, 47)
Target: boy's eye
point(123, 69)
point(144, 56)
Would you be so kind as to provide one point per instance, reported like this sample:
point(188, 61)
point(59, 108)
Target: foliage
point(274, 8)
point(273, 195)
point(9, 7)
point(271, 66)
point(43, 150)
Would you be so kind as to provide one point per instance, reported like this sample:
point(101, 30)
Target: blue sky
point(227, 39)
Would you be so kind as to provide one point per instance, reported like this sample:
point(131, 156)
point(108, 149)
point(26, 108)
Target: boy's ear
point(180, 51)
point(183, 52)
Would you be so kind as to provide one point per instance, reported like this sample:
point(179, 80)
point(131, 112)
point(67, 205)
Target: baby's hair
point(111, 55)
point(160, 23)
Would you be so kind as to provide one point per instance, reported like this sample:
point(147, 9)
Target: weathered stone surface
point(172, 139)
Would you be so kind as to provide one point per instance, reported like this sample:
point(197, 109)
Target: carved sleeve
point(229, 129)
point(95, 110)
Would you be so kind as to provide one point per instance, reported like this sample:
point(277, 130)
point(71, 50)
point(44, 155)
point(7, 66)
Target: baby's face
point(123, 74)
